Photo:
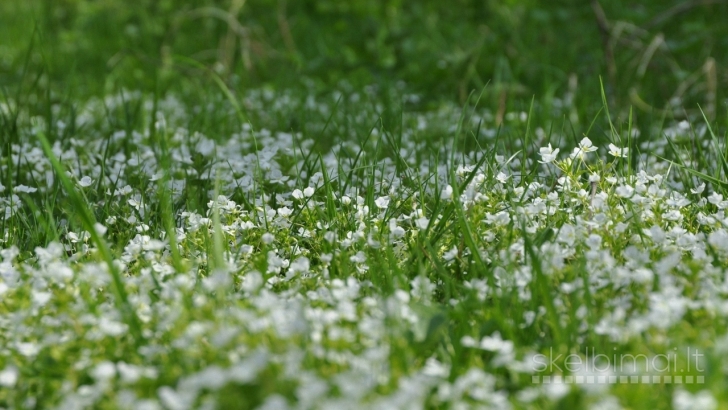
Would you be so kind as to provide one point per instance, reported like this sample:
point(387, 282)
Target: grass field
point(340, 205)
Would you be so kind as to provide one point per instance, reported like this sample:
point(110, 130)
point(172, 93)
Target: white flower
point(267, 238)
point(594, 241)
point(468, 341)
point(585, 147)
point(382, 202)
point(8, 377)
point(246, 250)
point(171, 399)
point(624, 191)
point(330, 237)
point(133, 202)
point(359, 257)
point(85, 182)
point(719, 239)
point(698, 189)
point(715, 198)
point(618, 152)
point(548, 154)
point(464, 169)
point(111, 327)
point(27, 348)
point(502, 178)
point(73, 237)
point(496, 343)
point(104, 371)
point(433, 368)
point(684, 400)
point(300, 265)
point(422, 223)
point(395, 230)
point(285, 211)
point(555, 391)
point(673, 215)
point(446, 192)
point(126, 190)
point(156, 177)
point(451, 254)
point(25, 189)
point(252, 281)
point(100, 229)
point(40, 298)
point(297, 194)
point(308, 192)
point(129, 373)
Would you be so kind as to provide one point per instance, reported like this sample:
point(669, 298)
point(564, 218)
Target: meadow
point(365, 204)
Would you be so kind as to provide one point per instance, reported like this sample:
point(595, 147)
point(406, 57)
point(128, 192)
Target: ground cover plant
point(265, 229)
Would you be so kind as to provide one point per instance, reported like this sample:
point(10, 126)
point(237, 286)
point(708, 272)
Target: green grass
point(353, 205)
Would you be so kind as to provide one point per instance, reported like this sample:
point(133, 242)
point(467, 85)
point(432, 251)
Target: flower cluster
point(248, 269)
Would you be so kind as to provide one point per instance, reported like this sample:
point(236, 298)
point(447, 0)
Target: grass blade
point(88, 220)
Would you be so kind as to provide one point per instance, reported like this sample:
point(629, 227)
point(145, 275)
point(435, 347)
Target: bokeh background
point(657, 56)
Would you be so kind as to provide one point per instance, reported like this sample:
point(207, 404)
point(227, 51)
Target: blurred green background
point(652, 55)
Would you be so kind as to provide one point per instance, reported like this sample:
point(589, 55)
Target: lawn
point(382, 205)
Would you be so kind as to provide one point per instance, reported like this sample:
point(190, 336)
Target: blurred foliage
point(439, 49)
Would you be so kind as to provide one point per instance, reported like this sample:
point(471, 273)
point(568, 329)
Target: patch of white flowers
point(286, 310)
